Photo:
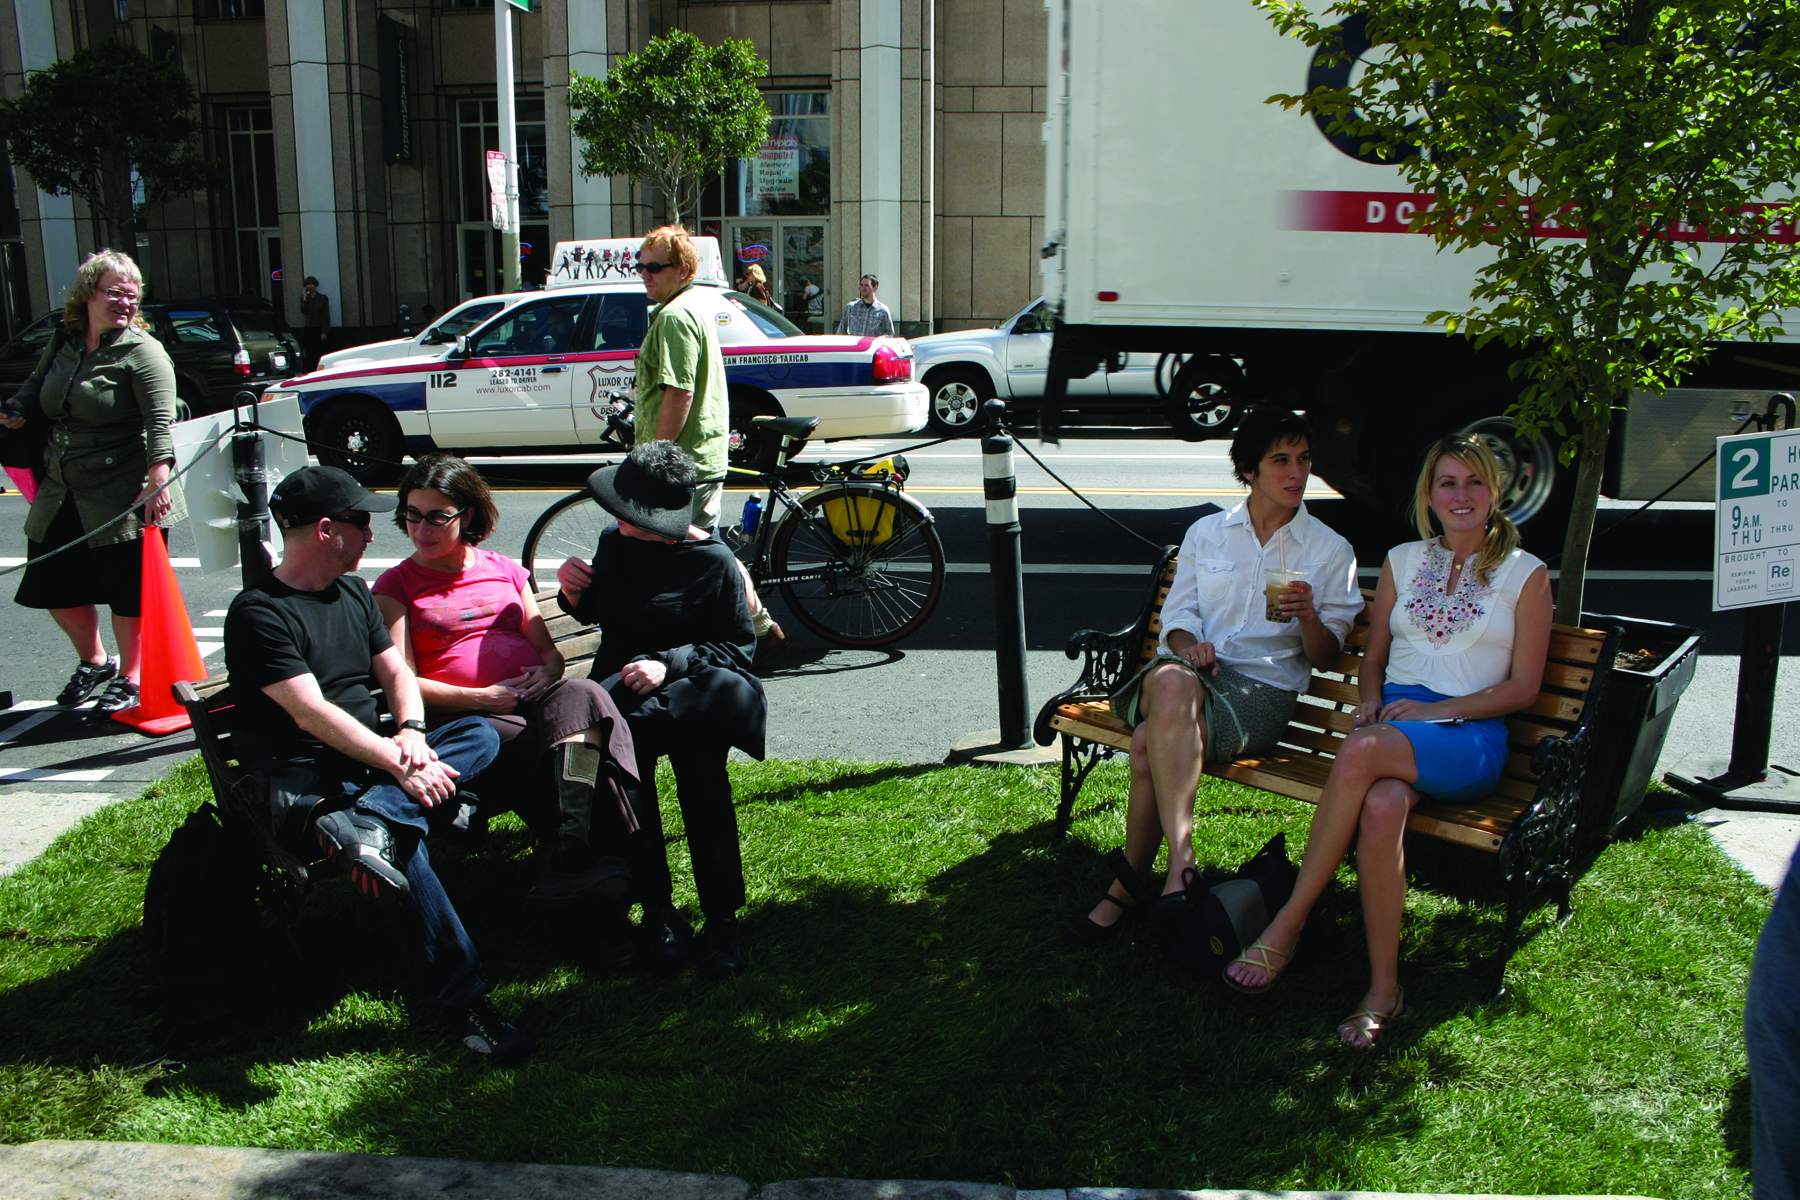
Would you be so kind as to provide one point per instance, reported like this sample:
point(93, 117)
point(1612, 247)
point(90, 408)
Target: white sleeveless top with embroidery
point(1454, 643)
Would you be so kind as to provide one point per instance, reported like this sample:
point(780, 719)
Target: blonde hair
point(87, 284)
point(754, 273)
point(1471, 451)
point(678, 242)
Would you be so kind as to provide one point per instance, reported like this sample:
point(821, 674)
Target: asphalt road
point(914, 701)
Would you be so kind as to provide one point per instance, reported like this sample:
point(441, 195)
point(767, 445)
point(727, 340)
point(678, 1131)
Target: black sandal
point(1084, 933)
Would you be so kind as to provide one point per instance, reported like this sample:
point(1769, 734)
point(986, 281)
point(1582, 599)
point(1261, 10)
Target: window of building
point(469, 5)
point(792, 175)
point(230, 10)
point(255, 212)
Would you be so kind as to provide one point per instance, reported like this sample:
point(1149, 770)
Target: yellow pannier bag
point(860, 519)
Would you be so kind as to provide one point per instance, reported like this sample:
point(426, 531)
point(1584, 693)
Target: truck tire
point(361, 437)
point(1528, 467)
point(1206, 399)
point(957, 394)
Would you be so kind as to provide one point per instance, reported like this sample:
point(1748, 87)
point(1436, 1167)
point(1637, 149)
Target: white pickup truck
point(1187, 216)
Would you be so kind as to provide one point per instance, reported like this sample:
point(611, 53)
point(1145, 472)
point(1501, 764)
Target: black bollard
point(1758, 665)
point(250, 464)
point(1007, 572)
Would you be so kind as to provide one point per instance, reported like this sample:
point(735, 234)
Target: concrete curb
point(54, 1170)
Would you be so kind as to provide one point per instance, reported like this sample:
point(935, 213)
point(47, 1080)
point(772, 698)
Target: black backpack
point(201, 922)
point(1203, 929)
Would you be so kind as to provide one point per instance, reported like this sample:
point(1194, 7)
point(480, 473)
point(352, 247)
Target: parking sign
point(1756, 543)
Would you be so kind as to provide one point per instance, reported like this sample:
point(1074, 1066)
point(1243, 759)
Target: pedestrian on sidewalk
point(107, 387)
point(1772, 1043)
point(315, 313)
point(867, 316)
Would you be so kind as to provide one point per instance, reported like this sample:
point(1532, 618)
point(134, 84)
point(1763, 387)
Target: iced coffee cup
point(1277, 582)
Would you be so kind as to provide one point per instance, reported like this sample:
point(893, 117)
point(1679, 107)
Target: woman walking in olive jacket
point(106, 387)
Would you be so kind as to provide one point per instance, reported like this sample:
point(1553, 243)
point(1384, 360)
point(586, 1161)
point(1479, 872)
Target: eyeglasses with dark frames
point(437, 520)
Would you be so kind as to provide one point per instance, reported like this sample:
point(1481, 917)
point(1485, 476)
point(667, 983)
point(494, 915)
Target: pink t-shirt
point(466, 629)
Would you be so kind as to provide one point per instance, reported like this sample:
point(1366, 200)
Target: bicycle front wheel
point(857, 565)
point(570, 528)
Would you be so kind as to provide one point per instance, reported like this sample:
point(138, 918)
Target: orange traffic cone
point(166, 646)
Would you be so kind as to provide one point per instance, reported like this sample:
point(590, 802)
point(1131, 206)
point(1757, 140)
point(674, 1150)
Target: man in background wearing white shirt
point(1227, 678)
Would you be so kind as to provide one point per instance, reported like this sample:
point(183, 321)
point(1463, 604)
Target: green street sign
point(521, 5)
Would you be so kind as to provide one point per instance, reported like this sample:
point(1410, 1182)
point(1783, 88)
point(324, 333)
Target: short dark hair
point(666, 462)
point(312, 279)
point(1266, 425)
point(870, 278)
point(461, 482)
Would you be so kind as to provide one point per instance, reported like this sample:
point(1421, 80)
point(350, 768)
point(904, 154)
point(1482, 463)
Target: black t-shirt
point(274, 632)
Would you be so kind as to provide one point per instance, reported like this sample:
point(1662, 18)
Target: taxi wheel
point(957, 395)
point(360, 437)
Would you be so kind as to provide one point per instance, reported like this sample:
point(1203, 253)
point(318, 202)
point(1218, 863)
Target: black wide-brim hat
point(636, 497)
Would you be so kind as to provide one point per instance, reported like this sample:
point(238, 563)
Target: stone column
point(305, 168)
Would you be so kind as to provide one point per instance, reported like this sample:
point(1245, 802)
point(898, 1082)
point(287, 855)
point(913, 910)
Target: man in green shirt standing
point(680, 375)
point(681, 388)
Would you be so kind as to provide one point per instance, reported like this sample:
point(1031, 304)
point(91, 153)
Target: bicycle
point(856, 560)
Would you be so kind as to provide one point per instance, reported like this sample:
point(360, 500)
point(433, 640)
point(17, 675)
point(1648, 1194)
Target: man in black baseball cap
point(305, 649)
point(314, 492)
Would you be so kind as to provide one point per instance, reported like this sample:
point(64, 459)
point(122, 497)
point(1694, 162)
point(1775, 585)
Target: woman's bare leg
point(1175, 747)
point(82, 627)
point(125, 632)
point(1368, 755)
point(1381, 882)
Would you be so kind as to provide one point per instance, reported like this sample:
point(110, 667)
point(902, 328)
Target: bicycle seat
point(794, 427)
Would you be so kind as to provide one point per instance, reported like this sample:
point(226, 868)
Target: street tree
point(1625, 167)
point(87, 124)
point(671, 115)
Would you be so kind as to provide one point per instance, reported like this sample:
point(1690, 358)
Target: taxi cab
point(540, 376)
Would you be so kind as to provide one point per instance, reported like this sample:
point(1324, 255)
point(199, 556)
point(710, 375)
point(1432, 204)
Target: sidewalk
point(152, 1171)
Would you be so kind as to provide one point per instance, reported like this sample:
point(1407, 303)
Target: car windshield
point(459, 321)
point(765, 318)
point(33, 338)
point(259, 323)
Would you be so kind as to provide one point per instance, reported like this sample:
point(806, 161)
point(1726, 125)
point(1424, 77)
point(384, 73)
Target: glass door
point(795, 260)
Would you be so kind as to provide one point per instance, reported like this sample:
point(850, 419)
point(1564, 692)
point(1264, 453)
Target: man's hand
point(430, 784)
point(414, 753)
point(573, 577)
point(644, 676)
point(1202, 657)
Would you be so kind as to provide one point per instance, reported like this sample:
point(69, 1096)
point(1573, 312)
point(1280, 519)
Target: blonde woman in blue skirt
point(1457, 638)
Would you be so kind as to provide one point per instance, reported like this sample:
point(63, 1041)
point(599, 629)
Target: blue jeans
point(1772, 1041)
point(426, 926)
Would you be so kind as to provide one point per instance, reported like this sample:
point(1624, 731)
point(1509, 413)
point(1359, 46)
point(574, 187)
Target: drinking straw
point(1281, 540)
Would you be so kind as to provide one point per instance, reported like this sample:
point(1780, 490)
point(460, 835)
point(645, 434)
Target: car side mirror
point(435, 337)
point(461, 347)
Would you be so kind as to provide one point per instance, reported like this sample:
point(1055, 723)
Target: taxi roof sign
point(594, 260)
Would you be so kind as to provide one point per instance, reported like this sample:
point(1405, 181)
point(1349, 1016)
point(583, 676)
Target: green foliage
point(83, 124)
point(912, 1014)
point(671, 115)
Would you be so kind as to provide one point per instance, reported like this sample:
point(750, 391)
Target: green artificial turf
point(912, 1014)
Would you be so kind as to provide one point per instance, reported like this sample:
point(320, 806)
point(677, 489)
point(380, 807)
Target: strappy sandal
point(1084, 933)
point(1378, 1021)
point(1261, 963)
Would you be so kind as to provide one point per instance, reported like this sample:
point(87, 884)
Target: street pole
point(250, 465)
point(509, 143)
point(1006, 565)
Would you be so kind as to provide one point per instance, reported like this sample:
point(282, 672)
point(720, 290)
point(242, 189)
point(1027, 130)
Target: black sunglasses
point(644, 268)
point(354, 517)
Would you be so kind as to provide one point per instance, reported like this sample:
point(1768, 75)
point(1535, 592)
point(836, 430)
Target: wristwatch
point(415, 726)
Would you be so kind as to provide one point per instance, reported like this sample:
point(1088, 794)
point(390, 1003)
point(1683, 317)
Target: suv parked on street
point(221, 345)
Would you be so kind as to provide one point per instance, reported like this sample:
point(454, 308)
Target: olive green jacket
point(109, 415)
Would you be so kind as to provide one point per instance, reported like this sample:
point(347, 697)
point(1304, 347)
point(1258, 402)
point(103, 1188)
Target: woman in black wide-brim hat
point(675, 647)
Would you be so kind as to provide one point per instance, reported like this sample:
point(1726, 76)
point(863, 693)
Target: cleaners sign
point(1757, 541)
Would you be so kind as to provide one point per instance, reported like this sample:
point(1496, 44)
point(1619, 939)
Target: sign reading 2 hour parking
point(1757, 540)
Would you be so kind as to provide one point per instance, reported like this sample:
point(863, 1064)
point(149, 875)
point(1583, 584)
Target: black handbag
point(22, 449)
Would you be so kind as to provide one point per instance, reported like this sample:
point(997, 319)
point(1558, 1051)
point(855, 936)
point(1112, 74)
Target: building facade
point(350, 140)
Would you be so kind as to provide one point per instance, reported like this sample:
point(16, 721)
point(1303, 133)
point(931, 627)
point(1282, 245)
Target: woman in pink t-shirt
point(470, 627)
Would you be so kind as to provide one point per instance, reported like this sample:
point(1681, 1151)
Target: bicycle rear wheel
point(857, 565)
point(570, 528)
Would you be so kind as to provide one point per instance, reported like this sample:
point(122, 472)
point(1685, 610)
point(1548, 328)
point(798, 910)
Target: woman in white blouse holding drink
point(1234, 658)
point(1457, 638)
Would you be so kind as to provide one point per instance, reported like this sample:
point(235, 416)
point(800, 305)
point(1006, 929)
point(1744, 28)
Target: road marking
point(28, 705)
point(29, 723)
point(46, 775)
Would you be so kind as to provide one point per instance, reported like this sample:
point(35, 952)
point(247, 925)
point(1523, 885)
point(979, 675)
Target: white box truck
point(1186, 215)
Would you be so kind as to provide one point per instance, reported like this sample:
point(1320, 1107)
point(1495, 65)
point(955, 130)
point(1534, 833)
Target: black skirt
point(82, 575)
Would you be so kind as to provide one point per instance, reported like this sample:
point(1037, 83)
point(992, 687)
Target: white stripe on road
point(29, 723)
point(46, 775)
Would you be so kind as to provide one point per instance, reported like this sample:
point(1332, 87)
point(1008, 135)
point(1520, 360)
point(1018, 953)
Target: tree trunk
point(1590, 465)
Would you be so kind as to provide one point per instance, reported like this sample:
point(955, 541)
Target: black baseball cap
point(314, 492)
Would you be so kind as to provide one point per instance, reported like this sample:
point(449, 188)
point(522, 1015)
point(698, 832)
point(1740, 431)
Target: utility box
point(1660, 438)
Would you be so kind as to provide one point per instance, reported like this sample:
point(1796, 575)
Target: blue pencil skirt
point(1456, 762)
